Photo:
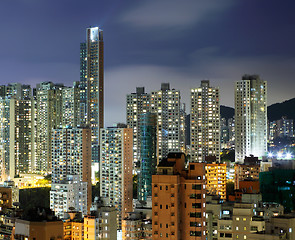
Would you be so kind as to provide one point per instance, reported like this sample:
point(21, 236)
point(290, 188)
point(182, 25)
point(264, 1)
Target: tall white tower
point(250, 117)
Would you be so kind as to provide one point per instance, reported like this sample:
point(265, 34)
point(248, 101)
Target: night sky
point(152, 41)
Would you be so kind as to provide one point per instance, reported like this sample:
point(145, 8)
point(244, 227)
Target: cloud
point(173, 13)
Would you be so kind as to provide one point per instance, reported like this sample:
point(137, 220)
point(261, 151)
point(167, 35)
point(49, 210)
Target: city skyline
point(151, 42)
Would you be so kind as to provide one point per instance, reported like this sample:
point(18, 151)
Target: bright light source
point(288, 155)
point(270, 155)
point(280, 155)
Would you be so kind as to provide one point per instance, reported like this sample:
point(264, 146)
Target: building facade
point(179, 199)
point(69, 193)
point(205, 122)
point(148, 157)
point(71, 155)
point(92, 86)
point(216, 179)
point(48, 117)
point(250, 117)
point(116, 166)
point(16, 130)
point(137, 103)
point(165, 103)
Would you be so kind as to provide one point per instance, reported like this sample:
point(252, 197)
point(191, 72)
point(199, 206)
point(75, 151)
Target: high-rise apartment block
point(16, 125)
point(71, 105)
point(71, 155)
point(148, 156)
point(92, 85)
point(250, 117)
point(179, 199)
point(116, 164)
point(166, 104)
point(281, 128)
point(49, 116)
point(137, 103)
point(205, 122)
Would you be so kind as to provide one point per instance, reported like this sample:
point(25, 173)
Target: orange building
point(179, 199)
point(45, 230)
point(74, 227)
point(250, 186)
point(216, 179)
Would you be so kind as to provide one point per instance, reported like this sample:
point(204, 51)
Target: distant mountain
point(226, 112)
point(277, 110)
point(274, 111)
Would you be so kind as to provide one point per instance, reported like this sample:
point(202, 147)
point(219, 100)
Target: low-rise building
point(39, 224)
point(136, 226)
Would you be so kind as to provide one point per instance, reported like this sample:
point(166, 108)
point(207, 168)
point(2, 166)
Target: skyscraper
point(71, 105)
point(137, 103)
point(250, 117)
point(49, 116)
point(71, 156)
point(148, 158)
point(92, 85)
point(116, 161)
point(165, 103)
point(16, 130)
point(205, 122)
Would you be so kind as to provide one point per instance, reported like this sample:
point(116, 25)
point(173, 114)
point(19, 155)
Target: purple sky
point(149, 42)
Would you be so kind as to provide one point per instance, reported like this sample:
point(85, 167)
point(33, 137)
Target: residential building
point(71, 155)
point(67, 194)
point(92, 86)
point(106, 222)
point(73, 226)
point(241, 224)
point(39, 225)
point(116, 154)
point(136, 226)
point(165, 103)
point(148, 158)
point(224, 134)
point(213, 214)
point(49, 116)
point(280, 227)
point(137, 103)
point(205, 122)
point(9, 194)
point(249, 170)
point(216, 179)
point(16, 142)
point(250, 117)
point(179, 199)
point(182, 128)
point(71, 105)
